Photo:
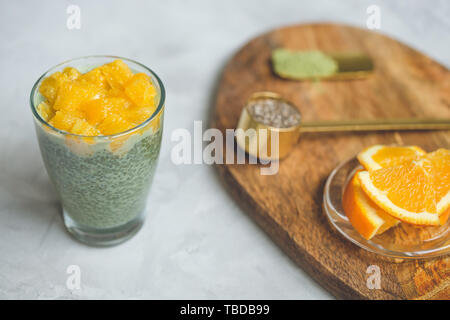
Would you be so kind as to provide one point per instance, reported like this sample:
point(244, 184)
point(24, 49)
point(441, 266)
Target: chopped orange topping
point(50, 85)
point(62, 120)
point(106, 100)
point(140, 90)
point(71, 73)
point(81, 126)
point(71, 94)
point(116, 73)
point(96, 77)
point(114, 123)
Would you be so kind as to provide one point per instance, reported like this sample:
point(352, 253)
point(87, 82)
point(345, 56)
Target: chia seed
point(274, 113)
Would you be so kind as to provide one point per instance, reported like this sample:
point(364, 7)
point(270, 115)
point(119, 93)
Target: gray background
point(196, 242)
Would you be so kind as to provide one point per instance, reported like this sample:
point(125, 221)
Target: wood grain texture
point(288, 206)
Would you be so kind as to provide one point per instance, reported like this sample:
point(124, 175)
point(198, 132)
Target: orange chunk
point(96, 77)
point(49, 88)
point(117, 73)
point(98, 109)
point(140, 90)
point(50, 85)
point(114, 124)
point(71, 73)
point(72, 94)
point(138, 115)
point(116, 92)
point(117, 105)
point(63, 120)
point(95, 110)
point(82, 127)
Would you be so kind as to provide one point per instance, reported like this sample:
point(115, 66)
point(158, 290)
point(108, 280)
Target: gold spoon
point(286, 138)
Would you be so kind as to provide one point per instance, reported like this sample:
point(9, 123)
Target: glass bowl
point(404, 241)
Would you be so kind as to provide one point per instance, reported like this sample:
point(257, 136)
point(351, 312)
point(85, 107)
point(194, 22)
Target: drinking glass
point(102, 181)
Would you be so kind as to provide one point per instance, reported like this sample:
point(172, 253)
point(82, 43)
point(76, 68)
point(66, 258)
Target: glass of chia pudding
point(99, 122)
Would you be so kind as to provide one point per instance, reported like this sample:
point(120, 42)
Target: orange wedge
point(382, 156)
point(405, 191)
point(364, 215)
point(440, 160)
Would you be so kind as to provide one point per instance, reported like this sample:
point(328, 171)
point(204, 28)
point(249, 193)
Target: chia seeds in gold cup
point(269, 126)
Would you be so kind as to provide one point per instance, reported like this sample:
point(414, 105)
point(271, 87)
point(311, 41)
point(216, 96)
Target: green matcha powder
point(302, 64)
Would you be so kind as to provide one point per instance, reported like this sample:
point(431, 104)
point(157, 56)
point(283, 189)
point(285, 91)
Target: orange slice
point(405, 191)
point(382, 156)
point(440, 160)
point(364, 215)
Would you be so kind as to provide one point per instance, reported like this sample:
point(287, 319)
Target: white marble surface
point(196, 242)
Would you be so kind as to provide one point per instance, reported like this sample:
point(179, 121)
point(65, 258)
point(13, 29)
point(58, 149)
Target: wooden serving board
point(288, 206)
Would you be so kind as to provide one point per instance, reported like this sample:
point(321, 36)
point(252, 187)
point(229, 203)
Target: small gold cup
point(261, 140)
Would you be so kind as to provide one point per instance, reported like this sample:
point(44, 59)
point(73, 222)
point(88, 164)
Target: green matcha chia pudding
point(103, 175)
